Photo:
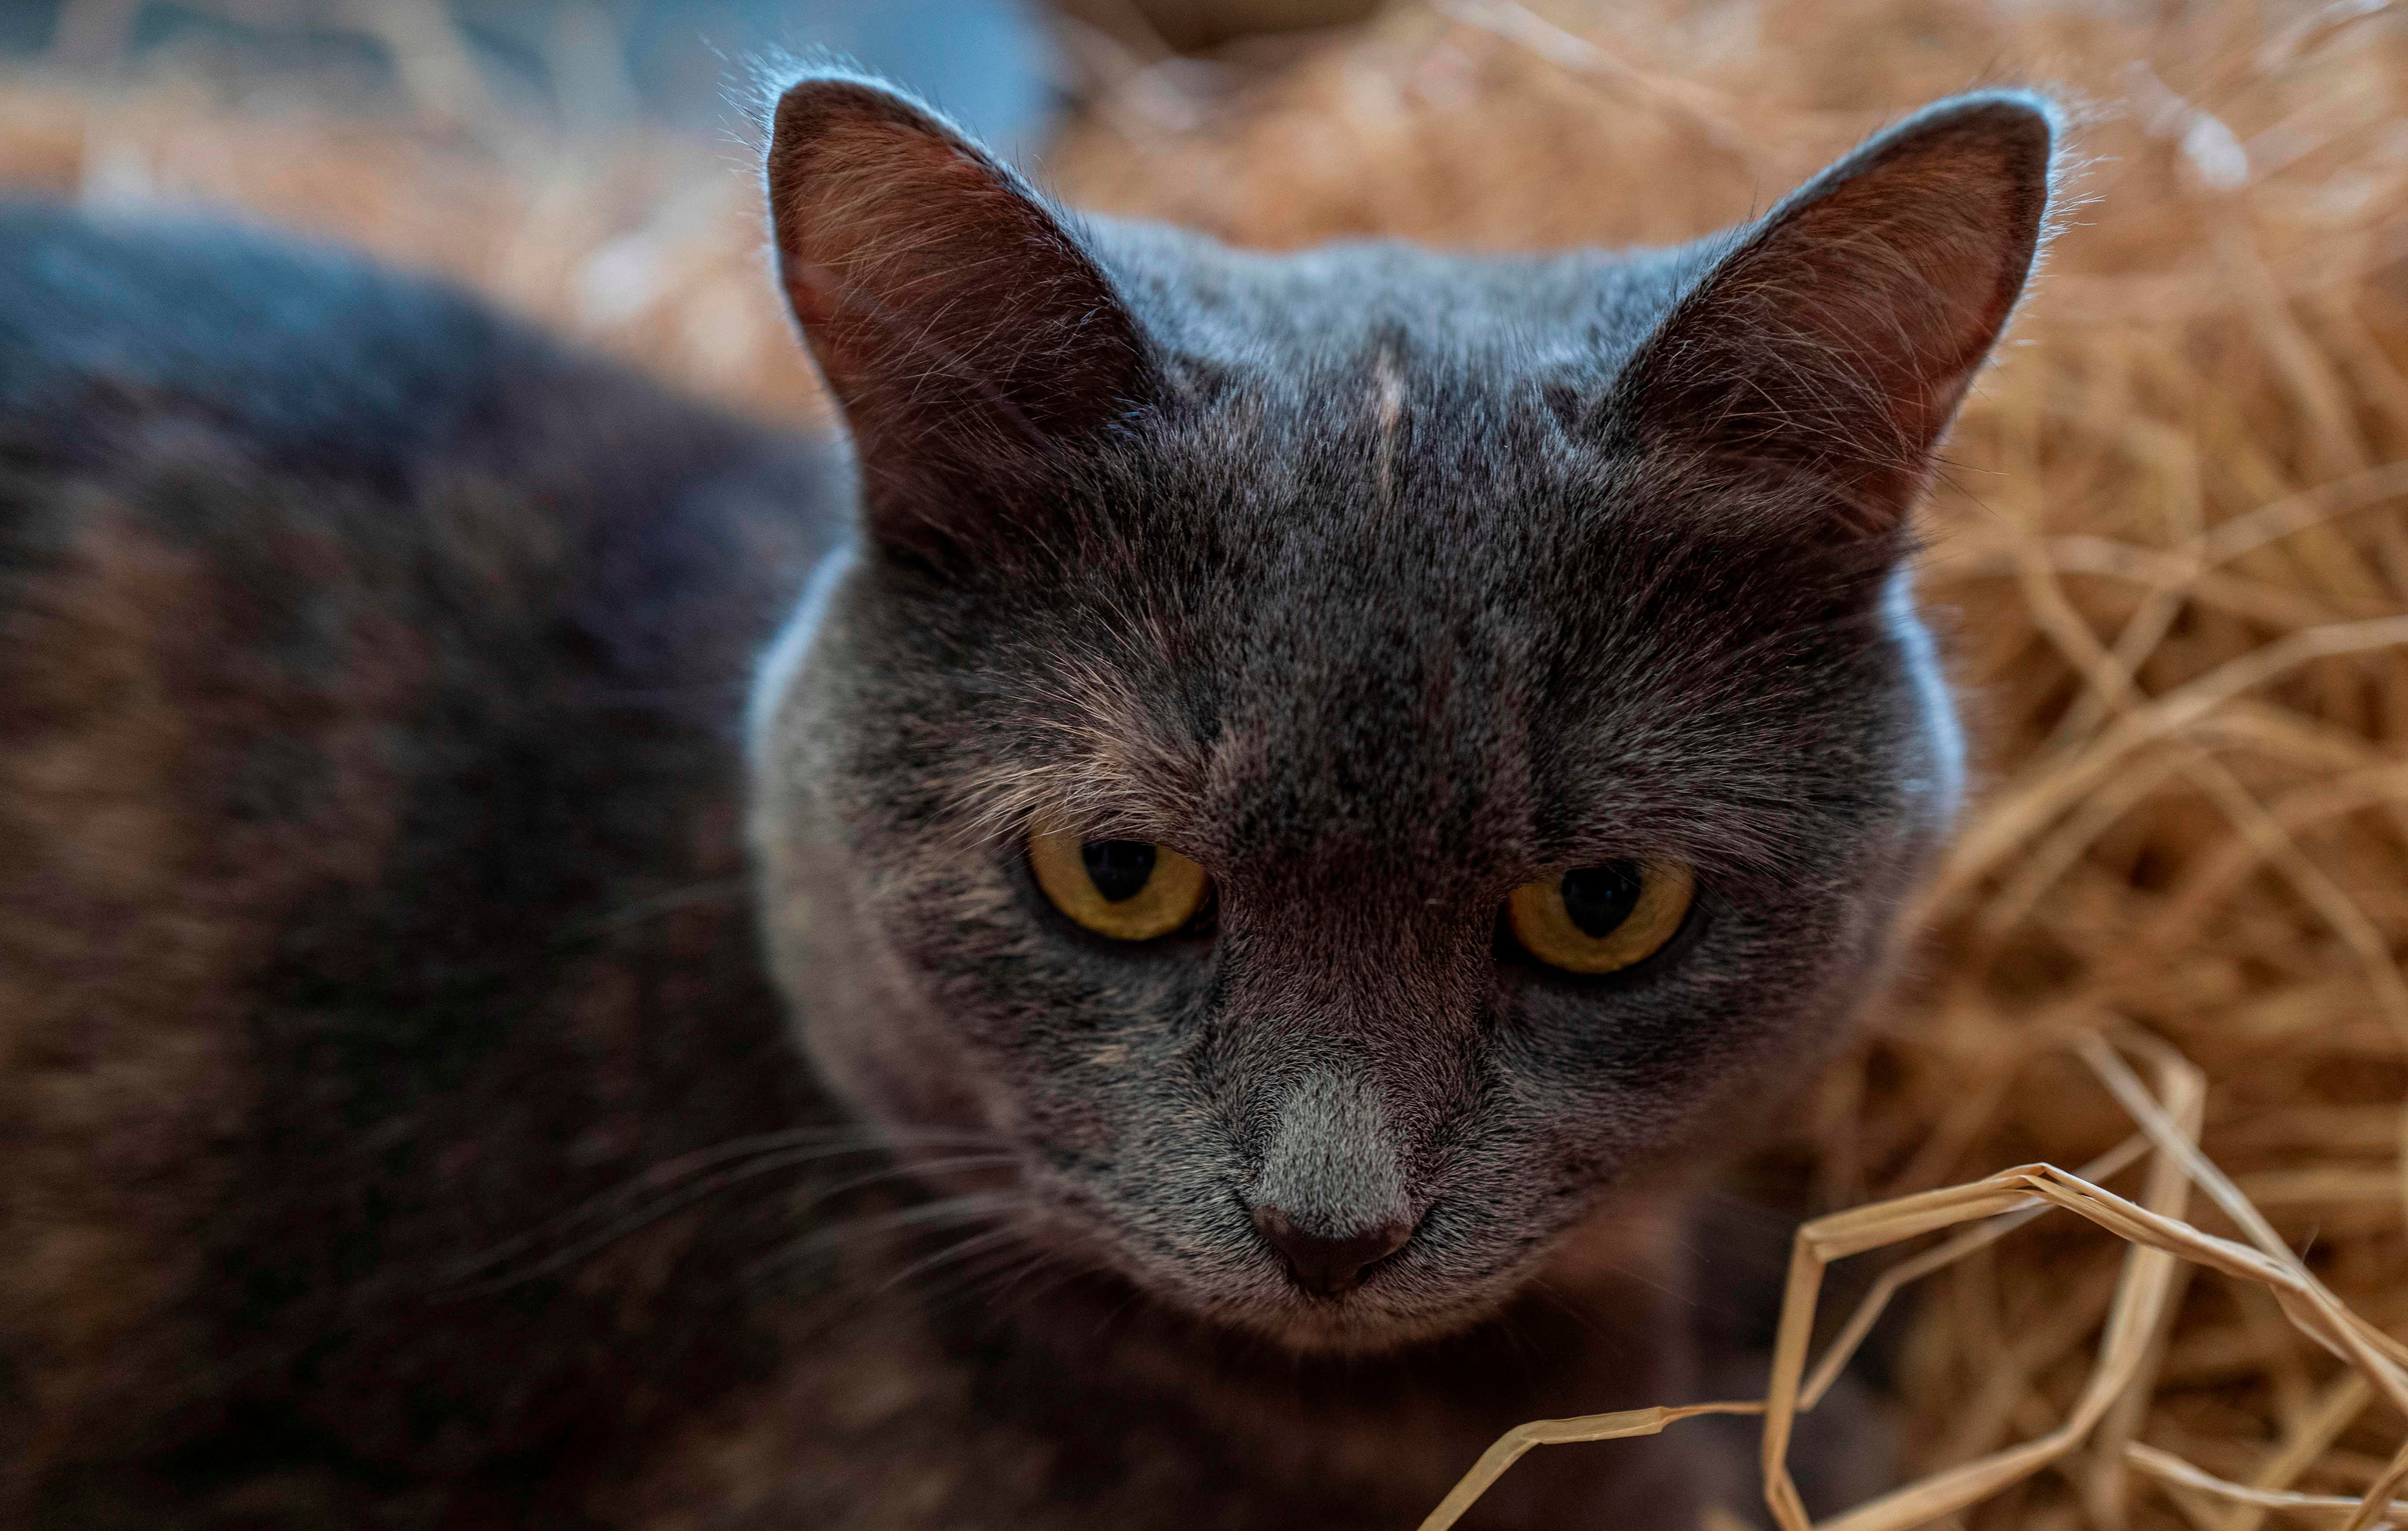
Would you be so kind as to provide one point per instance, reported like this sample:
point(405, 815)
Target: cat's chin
point(1399, 1307)
point(1409, 1303)
point(1342, 1326)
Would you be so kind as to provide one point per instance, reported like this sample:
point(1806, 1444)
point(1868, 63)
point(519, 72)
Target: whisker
point(635, 911)
point(961, 1249)
point(811, 1143)
point(1578, 1312)
point(1120, 1311)
point(689, 1196)
point(967, 1207)
point(1015, 1296)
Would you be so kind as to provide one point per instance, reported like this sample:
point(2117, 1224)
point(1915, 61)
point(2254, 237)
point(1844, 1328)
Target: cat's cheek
point(1100, 1077)
point(859, 1005)
point(989, 1019)
point(1620, 1081)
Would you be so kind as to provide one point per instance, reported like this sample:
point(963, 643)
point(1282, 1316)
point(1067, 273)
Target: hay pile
point(2172, 551)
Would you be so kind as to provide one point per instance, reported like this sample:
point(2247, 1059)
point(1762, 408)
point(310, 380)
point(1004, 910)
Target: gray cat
point(1303, 800)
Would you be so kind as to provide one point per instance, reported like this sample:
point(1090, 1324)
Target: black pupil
point(1119, 868)
point(1599, 898)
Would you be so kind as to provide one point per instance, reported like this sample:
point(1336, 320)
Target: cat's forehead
point(1383, 423)
point(1383, 445)
point(1404, 619)
point(1363, 518)
point(1330, 311)
point(1372, 581)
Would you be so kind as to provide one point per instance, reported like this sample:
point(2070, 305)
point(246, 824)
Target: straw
point(2168, 1118)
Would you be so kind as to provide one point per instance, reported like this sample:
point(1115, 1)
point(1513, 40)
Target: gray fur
point(1382, 581)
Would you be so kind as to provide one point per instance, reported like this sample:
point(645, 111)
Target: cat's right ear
point(962, 324)
point(1827, 348)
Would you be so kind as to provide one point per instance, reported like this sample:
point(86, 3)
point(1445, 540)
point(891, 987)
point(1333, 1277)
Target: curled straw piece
point(2169, 1119)
point(2171, 1469)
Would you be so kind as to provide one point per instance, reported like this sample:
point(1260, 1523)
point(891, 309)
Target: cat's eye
point(1129, 890)
point(1601, 919)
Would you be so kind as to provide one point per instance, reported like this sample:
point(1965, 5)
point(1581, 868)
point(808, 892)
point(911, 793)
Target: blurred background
point(1002, 66)
point(573, 64)
point(2170, 556)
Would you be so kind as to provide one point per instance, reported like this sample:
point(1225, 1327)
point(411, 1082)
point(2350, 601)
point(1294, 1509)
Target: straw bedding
point(2171, 553)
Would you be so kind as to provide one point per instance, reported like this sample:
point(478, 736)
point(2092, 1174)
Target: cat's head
point(1340, 761)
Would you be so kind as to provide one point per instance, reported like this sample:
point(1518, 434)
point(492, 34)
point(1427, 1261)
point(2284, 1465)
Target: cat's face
point(1233, 637)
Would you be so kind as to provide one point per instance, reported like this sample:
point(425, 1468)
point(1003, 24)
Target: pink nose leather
point(1328, 1266)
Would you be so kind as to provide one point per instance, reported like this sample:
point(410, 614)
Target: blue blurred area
point(990, 64)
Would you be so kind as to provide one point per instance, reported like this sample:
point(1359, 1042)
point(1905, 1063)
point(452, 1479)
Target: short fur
point(400, 1123)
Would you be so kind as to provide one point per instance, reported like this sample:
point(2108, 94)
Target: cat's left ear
point(1831, 345)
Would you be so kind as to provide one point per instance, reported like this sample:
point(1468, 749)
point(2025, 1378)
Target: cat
point(1160, 938)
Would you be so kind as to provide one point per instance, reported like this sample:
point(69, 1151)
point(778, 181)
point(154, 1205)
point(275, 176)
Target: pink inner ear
point(1911, 268)
point(1840, 339)
point(942, 300)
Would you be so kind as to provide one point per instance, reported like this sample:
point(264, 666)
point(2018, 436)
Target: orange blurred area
point(2171, 554)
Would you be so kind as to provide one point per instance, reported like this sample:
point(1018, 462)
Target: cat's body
point(371, 816)
point(400, 1126)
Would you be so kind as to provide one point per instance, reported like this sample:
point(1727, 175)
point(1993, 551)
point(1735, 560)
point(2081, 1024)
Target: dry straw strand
point(2169, 1119)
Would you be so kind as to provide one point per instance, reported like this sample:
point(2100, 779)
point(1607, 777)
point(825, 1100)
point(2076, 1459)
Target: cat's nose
point(1328, 1266)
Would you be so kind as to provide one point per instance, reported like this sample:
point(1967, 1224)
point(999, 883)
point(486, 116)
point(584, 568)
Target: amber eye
point(1129, 890)
point(1601, 919)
